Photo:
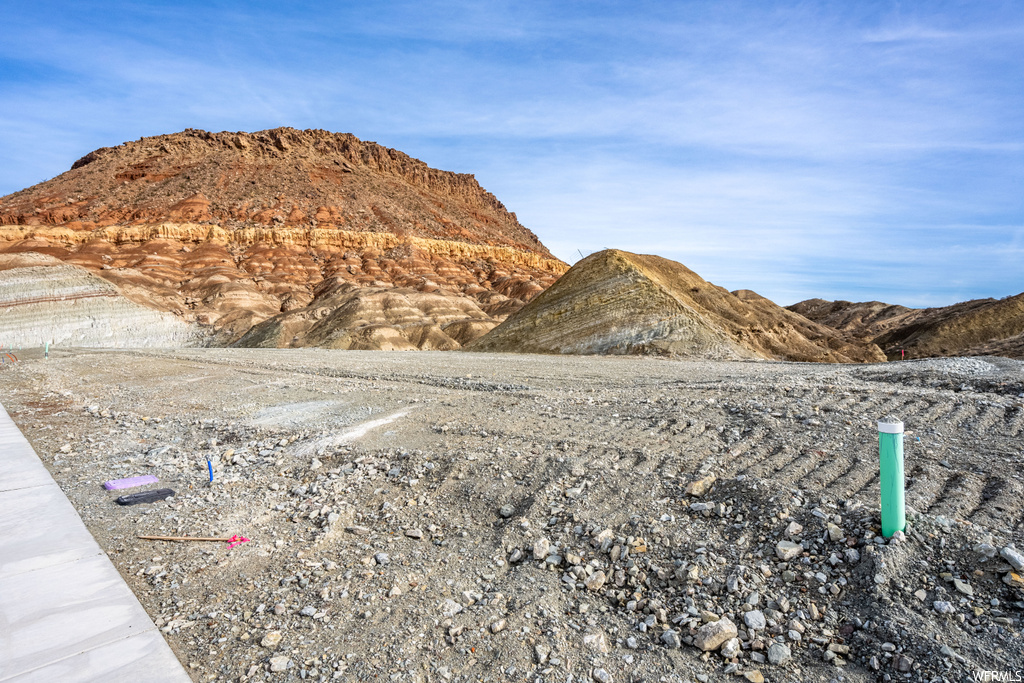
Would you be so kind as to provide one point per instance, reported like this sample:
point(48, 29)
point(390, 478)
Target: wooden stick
point(182, 538)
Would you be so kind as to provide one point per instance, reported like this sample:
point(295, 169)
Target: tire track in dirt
point(752, 450)
point(988, 418)
point(940, 412)
point(961, 417)
point(1005, 506)
point(766, 454)
point(838, 456)
point(960, 495)
point(697, 439)
point(915, 410)
point(862, 471)
point(771, 465)
point(933, 404)
point(927, 485)
point(822, 478)
point(748, 442)
point(798, 467)
point(896, 407)
point(931, 414)
point(1000, 503)
point(689, 423)
point(869, 491)
point(1014, 422)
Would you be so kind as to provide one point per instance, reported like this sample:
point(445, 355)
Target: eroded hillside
point(616, 302)
point(970, 328)
point(229, 229)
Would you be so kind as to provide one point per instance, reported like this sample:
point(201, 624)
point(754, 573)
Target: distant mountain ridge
point(969, 328)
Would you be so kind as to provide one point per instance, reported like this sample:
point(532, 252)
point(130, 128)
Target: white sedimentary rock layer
point(66, 305)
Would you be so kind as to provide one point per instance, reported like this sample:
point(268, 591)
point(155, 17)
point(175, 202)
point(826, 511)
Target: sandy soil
point(440, 516)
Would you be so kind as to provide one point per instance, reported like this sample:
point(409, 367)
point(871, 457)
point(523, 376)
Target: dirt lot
point(439, 516)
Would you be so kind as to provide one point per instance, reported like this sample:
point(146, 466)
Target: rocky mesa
point(226, 230)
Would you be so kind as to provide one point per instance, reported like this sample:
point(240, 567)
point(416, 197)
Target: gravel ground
point(454, 516)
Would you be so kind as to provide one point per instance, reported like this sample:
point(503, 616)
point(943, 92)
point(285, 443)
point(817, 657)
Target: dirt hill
point(229, 229)
point(621, 303)
point(969, 328)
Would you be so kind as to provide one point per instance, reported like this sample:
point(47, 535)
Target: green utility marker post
point(890, 456)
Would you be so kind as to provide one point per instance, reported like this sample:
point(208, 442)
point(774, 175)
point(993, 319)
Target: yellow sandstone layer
point(311, 237)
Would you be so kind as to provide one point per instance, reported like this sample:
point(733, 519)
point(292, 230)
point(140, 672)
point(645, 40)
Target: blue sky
point(868, 150)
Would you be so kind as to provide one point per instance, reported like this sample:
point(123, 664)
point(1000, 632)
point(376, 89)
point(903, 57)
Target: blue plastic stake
point(209, 466)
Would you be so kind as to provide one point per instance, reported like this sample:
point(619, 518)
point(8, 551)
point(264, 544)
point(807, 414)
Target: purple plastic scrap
point(130, 482)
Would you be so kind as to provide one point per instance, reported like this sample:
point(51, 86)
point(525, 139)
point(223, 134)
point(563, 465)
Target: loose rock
point(779, 654)
point(1014, 557)
point(711, 636)
point(595, 581)
point(787, 550)
point(701, 486)
point(755, 619)
point(671, 639)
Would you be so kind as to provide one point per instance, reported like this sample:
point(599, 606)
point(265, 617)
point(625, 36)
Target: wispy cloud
point(909, 33)
point(919, 33)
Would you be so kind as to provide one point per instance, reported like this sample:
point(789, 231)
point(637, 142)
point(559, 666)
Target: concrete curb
point(65, 612)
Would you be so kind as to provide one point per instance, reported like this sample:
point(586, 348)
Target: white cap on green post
point(890, 426)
